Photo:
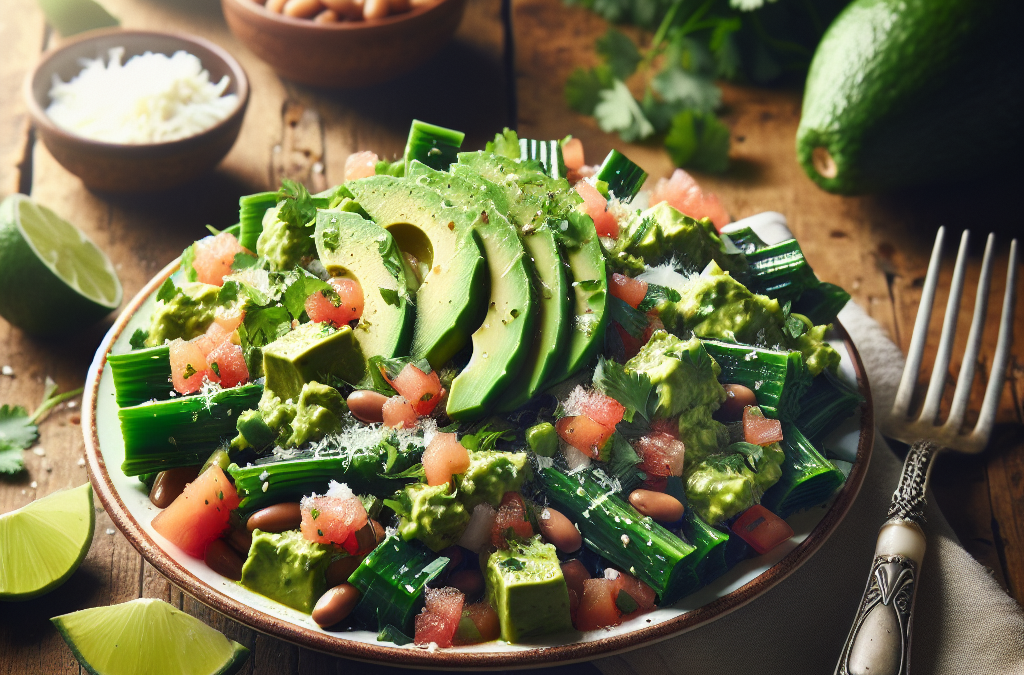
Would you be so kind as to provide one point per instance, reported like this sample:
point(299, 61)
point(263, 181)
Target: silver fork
point(879, 640)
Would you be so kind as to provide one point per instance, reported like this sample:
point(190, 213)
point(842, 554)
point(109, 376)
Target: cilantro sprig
point(19, 430)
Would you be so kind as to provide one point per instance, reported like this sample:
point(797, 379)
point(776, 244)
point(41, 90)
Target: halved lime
point(52, 278)
point(43, 543)
point(148, 636)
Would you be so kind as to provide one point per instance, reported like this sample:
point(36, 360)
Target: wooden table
point(875, 247)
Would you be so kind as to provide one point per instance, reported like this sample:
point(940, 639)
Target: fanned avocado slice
point(352, 247)
point(453, 294)
point(550, 203)
point(551, 285)
point(502, 342)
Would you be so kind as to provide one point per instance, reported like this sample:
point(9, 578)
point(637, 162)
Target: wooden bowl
point(115, 167)
point(345, 54)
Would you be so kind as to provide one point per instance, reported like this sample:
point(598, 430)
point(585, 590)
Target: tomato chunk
point(761, 528)
point(584, 434)
point(597, 605)
point(482, 617)
point(630, 291)
point(229, 320)
point(511, 516)
point(662, 454)
point(642, 594)
point(682, 192)
point(200, 514)
point(322, 309)
point(575, 574)
point(572, 154)
point(360, 165)
point(440, 618)
point(603, 409)
point(398, 414)
point(333, 519)
point(214, 257)
point(421, 390)
point(443, 458)
point(188, 366)
point(227, 365)
point(760, 430)
point(596, 207)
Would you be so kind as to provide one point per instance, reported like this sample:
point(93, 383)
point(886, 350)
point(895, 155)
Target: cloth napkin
point(963, 621)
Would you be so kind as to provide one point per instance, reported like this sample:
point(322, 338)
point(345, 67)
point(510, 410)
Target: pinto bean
point(277, 518)
point(367, 406)
point(737, 397)
point(171, 483)
point(335, 605)
point(222, 559)
point(559, 530)
point(657, 505)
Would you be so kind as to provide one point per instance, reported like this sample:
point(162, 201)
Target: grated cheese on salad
point(152, 98)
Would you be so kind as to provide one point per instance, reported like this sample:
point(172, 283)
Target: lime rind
point(43, 543)
point(69, 254)
point(148, 636)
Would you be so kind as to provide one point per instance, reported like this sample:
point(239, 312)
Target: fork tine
point(937, 384)
point(987, 415)
point(905, 391)
point(962, 394)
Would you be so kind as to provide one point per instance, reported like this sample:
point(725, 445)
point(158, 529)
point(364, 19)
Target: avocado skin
point(904, 92)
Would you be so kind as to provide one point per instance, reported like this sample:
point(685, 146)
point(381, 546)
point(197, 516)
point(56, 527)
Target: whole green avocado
point(903, 92)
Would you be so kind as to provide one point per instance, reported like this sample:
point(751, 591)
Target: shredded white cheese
point(152, 98)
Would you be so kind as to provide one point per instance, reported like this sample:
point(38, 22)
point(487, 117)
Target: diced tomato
point(484, 618)
point(227, 364)
point(398, 414)
point(662, 454)
point(214, 336)
point(200, 514)
point(642, 594)
point(443, 458)
point(630, 291)
point(761, 528)
point(584, 434)
point(597, 605)
point(670, 427)
point(596, 207)
point(682, 192)
point(188, 366)
point(214, 257)
point(575, 574)
point(440, 619)
point(333, 520)
point(511, 515)
point(604, 410)
point(229, 321)
point(572, 153)
point(422, 390)
point(360, 165)
point(760, 430)
point(322, 309)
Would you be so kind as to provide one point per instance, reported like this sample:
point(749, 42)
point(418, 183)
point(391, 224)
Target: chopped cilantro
point(18, 430)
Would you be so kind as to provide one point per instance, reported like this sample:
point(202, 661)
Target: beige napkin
point(963, 621)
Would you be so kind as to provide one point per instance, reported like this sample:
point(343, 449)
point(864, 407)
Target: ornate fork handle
point(879, 641)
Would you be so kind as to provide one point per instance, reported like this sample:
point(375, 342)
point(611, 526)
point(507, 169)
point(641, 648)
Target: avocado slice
point(453, 294)
point(353, 247)
point(551, 286)
point(501, 343)
point(313, 352)
point(551, 201)
point(526, 587)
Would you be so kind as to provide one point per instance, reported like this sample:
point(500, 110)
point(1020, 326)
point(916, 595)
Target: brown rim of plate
point(444, 659)
point(340, 26)
point(41, 120)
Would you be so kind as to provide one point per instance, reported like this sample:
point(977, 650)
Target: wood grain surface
point(875, 247)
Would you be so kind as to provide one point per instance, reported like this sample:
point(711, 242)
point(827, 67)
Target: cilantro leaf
point(583, 88)
point(167, 291)
point(261, 326)
point(301, 285)
point(631, 389)
point(632, 320)
point(505, 144)
point(619, 52)
point(752, 454)
point(625, 602)
point(681, 87)
point(619, 112)
point(138, 338)
point(16, 428)
point(243, 260)
point(656, 295)
point(298, 207)
point(390, 296)
point(228, 293)
point(188, 256)
point(624, 464)
point(698, 140)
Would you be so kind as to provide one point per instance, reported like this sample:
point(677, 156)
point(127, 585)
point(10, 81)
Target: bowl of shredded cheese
point(137, 111)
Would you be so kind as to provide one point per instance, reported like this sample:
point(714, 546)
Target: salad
point(468, 396)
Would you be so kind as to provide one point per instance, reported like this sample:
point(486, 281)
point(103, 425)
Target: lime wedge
point(148, 636)
point(43, 543)
point(52, 278)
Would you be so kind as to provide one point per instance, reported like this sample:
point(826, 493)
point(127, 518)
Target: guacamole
point(288, 568)
point(187, 315)
point(432, 514)
point(701, 435)
point(284, 245)
point(683, 374)
point(724, 485)
point(318, 412)
point(490, 475)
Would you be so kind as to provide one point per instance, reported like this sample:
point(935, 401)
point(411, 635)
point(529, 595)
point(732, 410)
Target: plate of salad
point(480, 409)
